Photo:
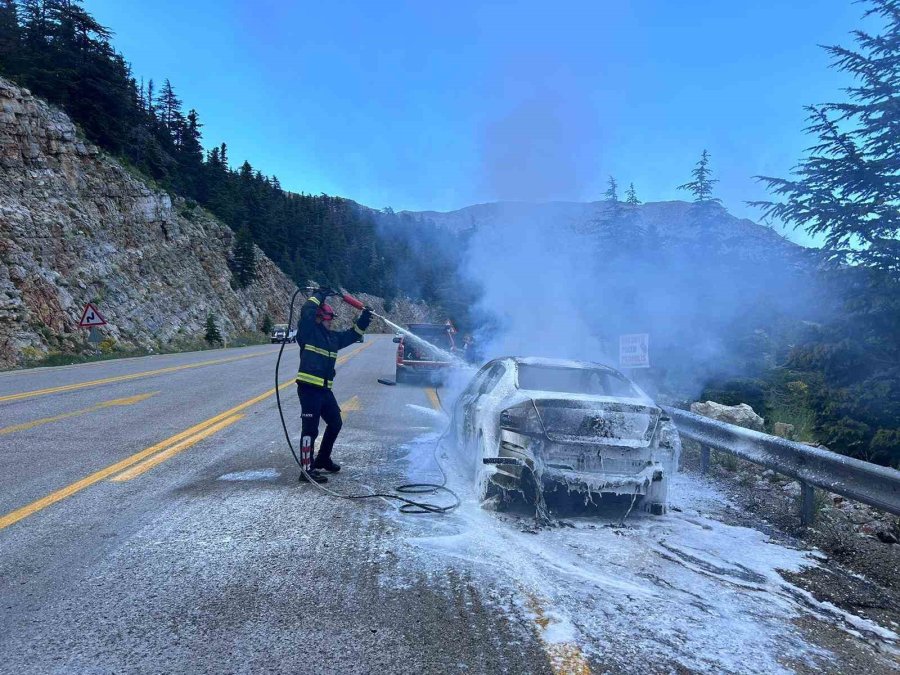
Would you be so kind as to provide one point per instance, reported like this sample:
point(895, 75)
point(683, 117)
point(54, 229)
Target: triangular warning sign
point(91, 317)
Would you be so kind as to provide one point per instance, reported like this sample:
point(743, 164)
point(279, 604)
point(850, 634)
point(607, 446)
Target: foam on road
point(217, 560)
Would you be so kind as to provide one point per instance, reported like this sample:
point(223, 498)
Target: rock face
point(741, 415)
point(77, 227)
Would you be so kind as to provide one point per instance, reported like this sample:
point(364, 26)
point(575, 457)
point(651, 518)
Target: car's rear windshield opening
point(439, 338)
point(589, 381)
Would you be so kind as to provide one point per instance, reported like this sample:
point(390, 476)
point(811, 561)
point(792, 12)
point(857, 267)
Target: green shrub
point(107, 345)
point(884, 447)
point(30, 354)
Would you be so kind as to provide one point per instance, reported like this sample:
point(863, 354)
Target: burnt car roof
point(569, 363)
point(556, 363)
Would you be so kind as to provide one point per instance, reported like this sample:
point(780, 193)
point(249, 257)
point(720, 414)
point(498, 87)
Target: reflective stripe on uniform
point(358, 329)
point(314, 300)
point(313, 379)
point(323, 352)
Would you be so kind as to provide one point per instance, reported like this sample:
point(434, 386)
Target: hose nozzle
point(353, 302)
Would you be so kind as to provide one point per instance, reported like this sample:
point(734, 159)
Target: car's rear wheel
point(485, 489)
point(401, 376)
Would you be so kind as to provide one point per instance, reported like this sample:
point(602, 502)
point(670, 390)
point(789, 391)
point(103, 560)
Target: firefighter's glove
point(364, 319)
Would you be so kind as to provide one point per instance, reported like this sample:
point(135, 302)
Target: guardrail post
point(807, 504)
point(704, 458)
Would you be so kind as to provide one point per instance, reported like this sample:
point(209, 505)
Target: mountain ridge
point(673, 219)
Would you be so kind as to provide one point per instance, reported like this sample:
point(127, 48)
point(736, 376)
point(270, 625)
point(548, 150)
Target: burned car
point(527, 423)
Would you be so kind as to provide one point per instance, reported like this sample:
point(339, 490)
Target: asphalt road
point(151, 521)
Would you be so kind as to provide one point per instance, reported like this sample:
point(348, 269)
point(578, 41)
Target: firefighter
point(319, 346)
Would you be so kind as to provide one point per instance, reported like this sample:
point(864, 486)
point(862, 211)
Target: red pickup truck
point(414, 358)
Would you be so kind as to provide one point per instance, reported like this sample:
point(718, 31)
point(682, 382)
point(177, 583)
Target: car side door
point(461, 409)
point(483, 403)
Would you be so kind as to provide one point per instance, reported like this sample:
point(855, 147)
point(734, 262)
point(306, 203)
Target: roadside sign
point(94, 337)
point(634, 350)
point(91, 317)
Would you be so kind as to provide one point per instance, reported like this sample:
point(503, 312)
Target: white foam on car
point(683, 589)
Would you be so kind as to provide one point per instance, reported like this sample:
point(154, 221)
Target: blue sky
point(421, 105)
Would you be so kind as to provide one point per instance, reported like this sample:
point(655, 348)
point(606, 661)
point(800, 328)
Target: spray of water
point(443, 353)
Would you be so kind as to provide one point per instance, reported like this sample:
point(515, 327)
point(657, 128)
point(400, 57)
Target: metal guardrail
point(855, 479)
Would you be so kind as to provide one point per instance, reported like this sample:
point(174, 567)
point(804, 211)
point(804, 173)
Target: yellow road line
point(123, 378)
point(350, 405)
point(25, 426)
point(148, 464)
point(54, 497)
point(565, 657)
point(434, 398)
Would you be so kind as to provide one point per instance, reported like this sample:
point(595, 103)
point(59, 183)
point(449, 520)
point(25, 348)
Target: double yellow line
point(122, 378)
point(166, 449)
point(25, 426)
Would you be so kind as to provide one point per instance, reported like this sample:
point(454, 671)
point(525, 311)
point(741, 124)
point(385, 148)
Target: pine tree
point(702, 185)
point(190, 146)
point(170, 109)
point(35, 23)
point(10, 36)
point(611, 195)
point(631, 196)
point(151, 100)
point(212, 336)
point(705, 210)
point(847, 189)
point(266, 326)
point(631, 234)
point(613, 205)
point(243, 258)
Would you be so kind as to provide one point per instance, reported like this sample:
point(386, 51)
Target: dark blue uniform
point(319, 348)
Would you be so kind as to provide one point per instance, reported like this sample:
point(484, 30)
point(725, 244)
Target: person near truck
point(319, 346)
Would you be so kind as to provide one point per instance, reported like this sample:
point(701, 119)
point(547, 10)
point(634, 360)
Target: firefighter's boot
point(313, 477)
point(325, 462)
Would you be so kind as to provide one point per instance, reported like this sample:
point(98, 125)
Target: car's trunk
point(598, 421)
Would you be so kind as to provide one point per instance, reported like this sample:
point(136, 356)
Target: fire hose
point(409, 506)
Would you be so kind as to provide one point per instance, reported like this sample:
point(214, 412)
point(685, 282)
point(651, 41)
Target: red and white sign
point(634, 351)
point(91, 317)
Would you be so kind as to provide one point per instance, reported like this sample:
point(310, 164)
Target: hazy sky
point(424, 105)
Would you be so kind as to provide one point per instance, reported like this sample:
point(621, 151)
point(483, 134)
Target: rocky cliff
point(76, 226)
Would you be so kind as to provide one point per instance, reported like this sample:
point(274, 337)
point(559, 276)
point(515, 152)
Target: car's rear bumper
point(587, 468)
point(612, 483)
